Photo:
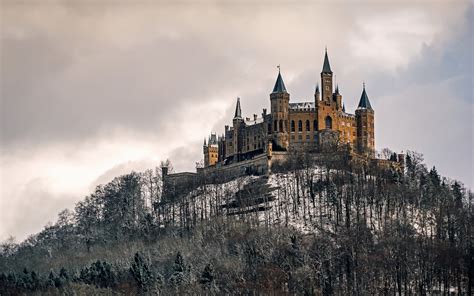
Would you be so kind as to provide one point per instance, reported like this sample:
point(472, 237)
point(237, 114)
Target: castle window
point(269, 128)
point(315, 125)
point(300, 126)
point(281, 125)
point(275, 126)
point(307, 137)
point(292, 125)
point(300, 137)
point(308, 128)
point(328, 122)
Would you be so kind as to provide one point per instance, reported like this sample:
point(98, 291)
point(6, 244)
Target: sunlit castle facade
point(312, 126)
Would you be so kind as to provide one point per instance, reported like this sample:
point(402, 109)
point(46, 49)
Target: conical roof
point(326, 66)
point(279, 85)
point(364, 102)
point(238, 111)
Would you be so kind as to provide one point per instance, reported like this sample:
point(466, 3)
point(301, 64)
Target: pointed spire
point(205, 141)
point(238, 111)
point(326, 66)
point(337, 89)
point(364, 102)
point(343, 107)
point(317, 89)
point(279, 84)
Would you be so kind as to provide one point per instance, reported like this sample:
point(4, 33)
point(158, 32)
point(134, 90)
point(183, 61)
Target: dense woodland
point(309, 228)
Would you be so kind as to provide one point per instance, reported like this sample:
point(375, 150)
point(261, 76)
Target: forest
point(309, 228)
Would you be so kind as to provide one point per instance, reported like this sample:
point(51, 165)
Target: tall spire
point(317, 89)
point(238, 111)
point(343, 107)
point(364, 102)
point(279, 84)
point(205, 141)
point(337, 89)
point(326, 66)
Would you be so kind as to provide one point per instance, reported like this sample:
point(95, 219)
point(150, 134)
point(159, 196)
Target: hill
point(307, 228)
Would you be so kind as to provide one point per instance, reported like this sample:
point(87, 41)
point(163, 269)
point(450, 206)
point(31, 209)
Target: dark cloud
point(93, 90)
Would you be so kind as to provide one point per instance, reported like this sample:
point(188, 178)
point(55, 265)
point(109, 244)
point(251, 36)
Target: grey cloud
point(33, 207)
point(75, 74)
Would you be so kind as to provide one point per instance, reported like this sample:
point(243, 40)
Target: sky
point(90, 90)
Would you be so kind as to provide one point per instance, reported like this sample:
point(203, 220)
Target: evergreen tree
point(207, 276)
point(141, 272)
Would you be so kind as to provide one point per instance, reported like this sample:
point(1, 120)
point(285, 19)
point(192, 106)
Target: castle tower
point(317, 95)
point(238, 125)
point(326, 80)
point(279, 100)
point(337, 98)
point(211, 151)
point(365, 126)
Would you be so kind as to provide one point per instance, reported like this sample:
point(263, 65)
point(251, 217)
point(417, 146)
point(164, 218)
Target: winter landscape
point(106, 186)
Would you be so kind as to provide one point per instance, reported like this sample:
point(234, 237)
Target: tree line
point(322, 227)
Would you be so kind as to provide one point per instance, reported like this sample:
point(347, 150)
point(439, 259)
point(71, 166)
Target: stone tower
point(317, 95)
point(326, 80)
point(337, 98)
point(365, 126)
point(211, 152)
point(238, 125)
point(279, 100)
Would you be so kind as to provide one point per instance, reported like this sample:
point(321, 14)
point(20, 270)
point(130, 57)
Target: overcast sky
point(94, 89)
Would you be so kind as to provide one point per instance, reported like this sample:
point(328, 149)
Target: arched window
point(308, 127)
point(281, 125)
point(328, 122)
point(300, 126)
point(292, 125)
point(275, 126)
point(315, 125)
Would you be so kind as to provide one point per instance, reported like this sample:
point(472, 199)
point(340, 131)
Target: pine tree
point(207, 276)
point(141, 272)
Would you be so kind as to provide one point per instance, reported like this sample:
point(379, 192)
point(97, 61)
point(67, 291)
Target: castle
point(295, 126)
point(321, 127)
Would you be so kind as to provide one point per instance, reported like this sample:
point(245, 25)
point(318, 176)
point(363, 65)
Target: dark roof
point(337, 89)
point(343, 107)
point(326, 66)
point(238, 111)
point(279, 85)
point(213, 139)
point(364, 102)
point(317, 89)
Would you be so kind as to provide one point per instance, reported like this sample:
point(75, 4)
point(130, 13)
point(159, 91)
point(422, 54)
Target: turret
point(317, 95)
point(365, 126)
point(238, 124)
point(279, 100)
point(326, 80)
point(337, 98)
point(211, 151)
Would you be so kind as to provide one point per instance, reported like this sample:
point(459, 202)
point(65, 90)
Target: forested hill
point(306, 229)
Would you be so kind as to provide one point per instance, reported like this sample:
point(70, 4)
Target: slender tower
point(326, 80)
point(238, 124)
point(279, 100)
point(365, 126)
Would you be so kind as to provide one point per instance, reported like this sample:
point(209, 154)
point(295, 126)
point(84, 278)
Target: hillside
point(307, 228)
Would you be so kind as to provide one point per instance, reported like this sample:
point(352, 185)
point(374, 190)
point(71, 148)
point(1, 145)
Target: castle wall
point(303, 128)
point(258, 165)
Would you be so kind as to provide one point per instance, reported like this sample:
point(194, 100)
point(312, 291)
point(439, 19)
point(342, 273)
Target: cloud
point(93, 89)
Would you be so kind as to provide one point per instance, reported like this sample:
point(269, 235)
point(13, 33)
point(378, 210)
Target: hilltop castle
point(321, 127)
point(295, 126)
